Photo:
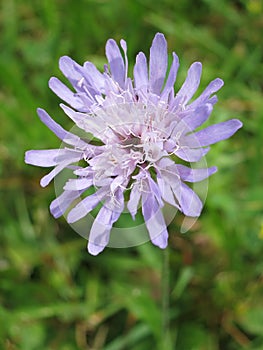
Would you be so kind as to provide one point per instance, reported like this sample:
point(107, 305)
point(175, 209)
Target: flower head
point(141, 127)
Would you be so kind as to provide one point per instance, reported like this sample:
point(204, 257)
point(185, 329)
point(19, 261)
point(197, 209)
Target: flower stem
point(166, 340)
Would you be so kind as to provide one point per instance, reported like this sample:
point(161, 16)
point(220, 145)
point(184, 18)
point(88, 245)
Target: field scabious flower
point(143, 127)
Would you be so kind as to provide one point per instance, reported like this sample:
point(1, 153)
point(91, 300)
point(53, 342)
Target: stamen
point(81, 82)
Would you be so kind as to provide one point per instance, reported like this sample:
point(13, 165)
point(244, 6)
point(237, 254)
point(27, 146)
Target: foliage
point(53, 294)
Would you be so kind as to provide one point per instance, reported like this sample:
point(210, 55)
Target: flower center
point(145, 149)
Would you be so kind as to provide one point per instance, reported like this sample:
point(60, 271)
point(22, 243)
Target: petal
point(124, 48)
point(68, 67)
point(158, 63)
point(78, 184)
point(85, 121)
point(171, 77)
point(87, 172)
point(161, 240)
point(100, 231)
point(154, 220)
point(190, 203)
point(154, 188)
point(140, 72)
point(194, 175)
point(86, 205)
point(133, 202)
point(77, 117)
point(164, 162)
point(214, 133)
point(62, 134)
point(192, 120)
point(213, 87)
point(51, 157)
point(170, 175)
point(116, 62)
point(166, 191)
point(190, 85)
point(116, 182)
point(95, 77)
point(116, 204)
point(62, 202)
point(50, 176)
point(198, 117)
point(44, 158)
point(191, 154)
point(51, 124)
point(62, 155)
point(213, 100)
point(62, 91)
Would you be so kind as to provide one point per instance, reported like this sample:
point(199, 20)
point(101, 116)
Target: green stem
point(166, 341)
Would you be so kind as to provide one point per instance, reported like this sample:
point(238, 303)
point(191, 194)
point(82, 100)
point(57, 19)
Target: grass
point(53, 295)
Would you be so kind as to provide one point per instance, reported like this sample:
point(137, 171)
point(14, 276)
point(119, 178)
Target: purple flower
point(142, 130)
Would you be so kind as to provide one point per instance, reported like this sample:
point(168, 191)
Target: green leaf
point(251, 319)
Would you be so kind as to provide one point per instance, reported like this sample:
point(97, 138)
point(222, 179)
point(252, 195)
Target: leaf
point(136, 334)
point(251, 319)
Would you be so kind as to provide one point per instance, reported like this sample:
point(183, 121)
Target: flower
point(142, 130)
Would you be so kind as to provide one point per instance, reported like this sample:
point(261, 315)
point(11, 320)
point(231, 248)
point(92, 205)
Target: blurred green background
point(53, 294)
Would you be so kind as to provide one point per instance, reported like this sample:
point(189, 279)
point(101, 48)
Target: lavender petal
point(140, 73)
point(214, 133)
point(43, 158)
point(62, 134)
point(166, 191)
point(191, 154)
point(50, 176)
point(68, 67)
point(171, 77)
point(213, 87)
point(158, 63)
point(62, 91)
point(189, 202)
point(190, 85)
point(100, 231)
point(134, 199)
point(78, 184)
point(86, 205)
point(193, 119)
point(154, 220)
point(59, 205)
point(116, 62)
point(95, 77)
point(194, 175)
